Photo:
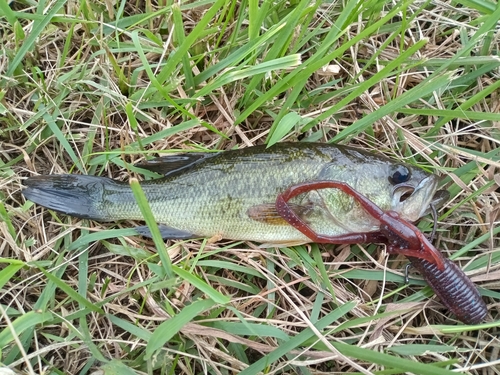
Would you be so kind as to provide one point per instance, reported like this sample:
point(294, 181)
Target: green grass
point(93, 87)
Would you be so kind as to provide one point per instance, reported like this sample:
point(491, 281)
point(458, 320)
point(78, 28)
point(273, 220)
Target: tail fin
point(75, 195)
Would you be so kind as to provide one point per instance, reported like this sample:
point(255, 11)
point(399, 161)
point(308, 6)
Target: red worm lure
point(454, 288)
point(448, 281)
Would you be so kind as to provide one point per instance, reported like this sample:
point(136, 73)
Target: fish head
point(412, 195)
point(392, 186)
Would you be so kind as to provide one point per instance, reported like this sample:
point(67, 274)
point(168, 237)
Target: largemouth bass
point(232, 194)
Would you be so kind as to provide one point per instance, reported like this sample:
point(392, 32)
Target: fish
point(231, 194)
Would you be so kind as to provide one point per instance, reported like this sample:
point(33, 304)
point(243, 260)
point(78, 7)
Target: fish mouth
point(414, 202)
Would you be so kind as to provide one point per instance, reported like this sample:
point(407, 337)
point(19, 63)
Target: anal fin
point(167, 233)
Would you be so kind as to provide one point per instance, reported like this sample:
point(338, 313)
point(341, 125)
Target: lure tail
point(75, 195)
point(454, 288)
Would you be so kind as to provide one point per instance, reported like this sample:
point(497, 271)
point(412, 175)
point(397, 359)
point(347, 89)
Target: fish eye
point(399, 174)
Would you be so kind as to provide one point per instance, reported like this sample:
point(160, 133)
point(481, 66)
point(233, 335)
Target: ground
point(93, 87)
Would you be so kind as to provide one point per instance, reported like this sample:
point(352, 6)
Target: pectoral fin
point(167, 233)
point(266, 213)
point(171, 164)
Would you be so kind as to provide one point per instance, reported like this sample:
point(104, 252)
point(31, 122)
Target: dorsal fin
point(170, 164)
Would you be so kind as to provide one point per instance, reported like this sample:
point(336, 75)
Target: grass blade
point(172, 326)
point(143, 204)
point(29, 42)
